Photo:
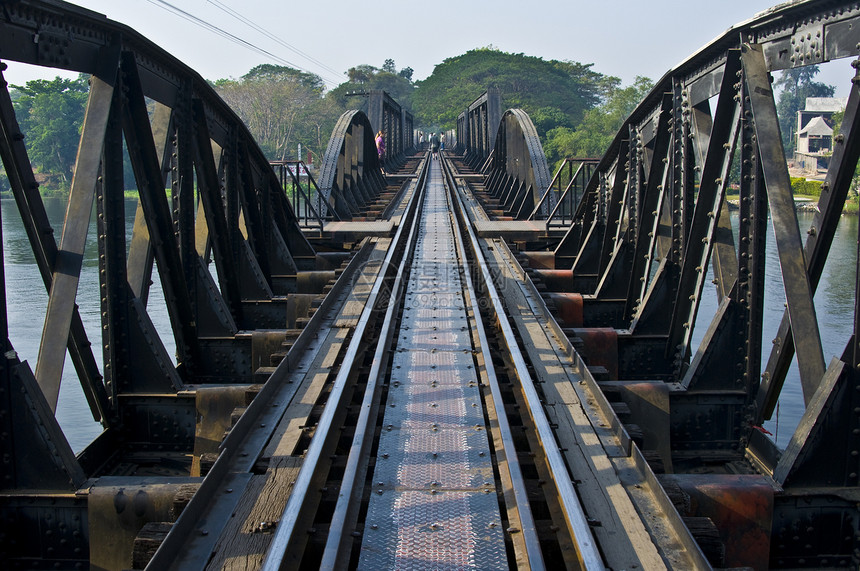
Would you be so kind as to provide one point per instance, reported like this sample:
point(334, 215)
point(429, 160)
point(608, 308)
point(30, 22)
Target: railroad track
point(421, 427)
point(428, 492)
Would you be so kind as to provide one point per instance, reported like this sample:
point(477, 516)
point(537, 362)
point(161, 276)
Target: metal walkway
point(435, 502)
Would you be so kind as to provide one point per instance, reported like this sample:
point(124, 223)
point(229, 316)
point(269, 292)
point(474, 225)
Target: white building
point(814, 137)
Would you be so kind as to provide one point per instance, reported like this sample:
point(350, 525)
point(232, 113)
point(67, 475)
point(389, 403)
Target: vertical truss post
point(716, 158)
point(147, 172)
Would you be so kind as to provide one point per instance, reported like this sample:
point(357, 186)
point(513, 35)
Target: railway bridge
point(460, 362)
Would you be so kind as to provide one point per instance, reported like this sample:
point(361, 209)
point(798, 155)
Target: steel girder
point(350, 175)
point(206, 192)
point(655, 217)
point(386, 115)
point(517, 170)
point(477, 128)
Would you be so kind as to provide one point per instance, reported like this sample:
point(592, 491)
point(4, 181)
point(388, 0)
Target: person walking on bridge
point(380, 149)
point(434, 145)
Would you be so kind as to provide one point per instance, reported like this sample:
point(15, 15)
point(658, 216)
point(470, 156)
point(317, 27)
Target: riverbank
point(809, 204)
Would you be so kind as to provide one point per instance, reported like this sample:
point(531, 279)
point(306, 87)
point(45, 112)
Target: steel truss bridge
point(461, 362)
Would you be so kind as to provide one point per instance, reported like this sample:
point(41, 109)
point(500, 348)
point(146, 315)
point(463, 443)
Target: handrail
point(304, 209)
point(565, 163)
point(565, 207)
point(486, 166)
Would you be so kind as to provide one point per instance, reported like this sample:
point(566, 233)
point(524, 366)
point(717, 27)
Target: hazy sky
point(624, 38)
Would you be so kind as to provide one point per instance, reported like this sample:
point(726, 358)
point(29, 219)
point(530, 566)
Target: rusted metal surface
point(569, 308)
point(600, 346)
point(742, 509)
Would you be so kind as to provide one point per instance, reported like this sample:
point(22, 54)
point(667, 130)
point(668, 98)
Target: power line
point(225, 34)
point(248, 22)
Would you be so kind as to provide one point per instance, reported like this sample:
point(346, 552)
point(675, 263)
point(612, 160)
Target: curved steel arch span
point(518, 173)
point(351, 176)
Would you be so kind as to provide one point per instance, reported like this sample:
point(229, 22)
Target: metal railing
point(565, 191)
point(303, 194)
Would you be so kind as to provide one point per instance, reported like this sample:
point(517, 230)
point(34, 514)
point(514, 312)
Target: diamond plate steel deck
point(424, 530)
point(434, 502)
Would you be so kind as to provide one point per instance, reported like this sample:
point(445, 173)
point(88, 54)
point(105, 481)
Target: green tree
point(361, 74)
point(554, 93)
point(836, 119)
point(366, 77)
point(796, 85)
point(592, 137)
point(4, 181)
point(51, 113)
point(275, 102)
point(269, 72)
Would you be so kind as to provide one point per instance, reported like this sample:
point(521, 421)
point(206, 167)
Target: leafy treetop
point(552, 92)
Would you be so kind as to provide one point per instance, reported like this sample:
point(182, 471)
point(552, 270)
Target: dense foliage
point(593, 135)
point(282, 108)
point(50, 113)
point(364, 78)
point(575, 109)
point(553, 93)
point(800, 185)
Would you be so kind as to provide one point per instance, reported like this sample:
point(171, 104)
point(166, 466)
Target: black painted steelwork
point(351, 175)
point(397, 124)
point(653, 218)
point(477, 127)
point(655, 215)
point(223, 203)
point(518, 176)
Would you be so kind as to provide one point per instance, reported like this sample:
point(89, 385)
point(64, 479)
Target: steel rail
point(286, 530)
point(528, 527)
point(246, 441)
point(336, 553)
point(578, 525)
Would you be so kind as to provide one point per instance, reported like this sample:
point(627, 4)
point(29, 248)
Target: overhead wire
point(200, 22)
point(256, 27)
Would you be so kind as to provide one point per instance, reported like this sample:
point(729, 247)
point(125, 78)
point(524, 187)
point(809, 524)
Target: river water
point(26, 299)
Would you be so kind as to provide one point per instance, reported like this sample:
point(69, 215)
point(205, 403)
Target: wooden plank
point(511, 229)
point(246, 537)
point(598, 485)
point(243, 543)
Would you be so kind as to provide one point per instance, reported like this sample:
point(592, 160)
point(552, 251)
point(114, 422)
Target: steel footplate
point(433, 460)
point(434, 503)
point(423, 530)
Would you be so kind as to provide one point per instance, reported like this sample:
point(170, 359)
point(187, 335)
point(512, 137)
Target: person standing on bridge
point(442, 142)
point(380, 149)
point(434, 145)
